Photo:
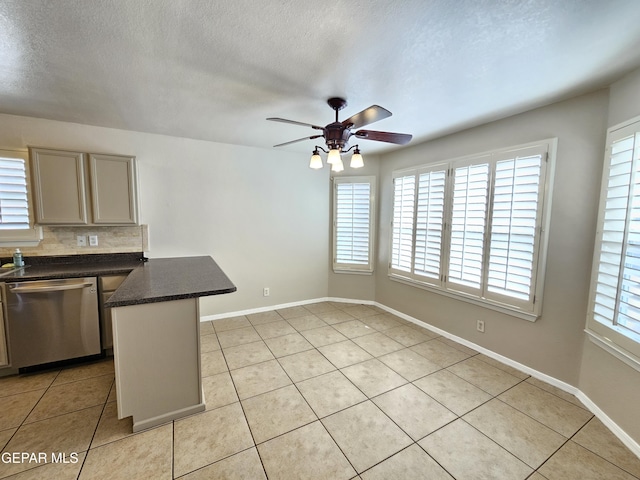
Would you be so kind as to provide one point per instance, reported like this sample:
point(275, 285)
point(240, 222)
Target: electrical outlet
point(81, 241)
point(93, 240)
point(480, 326)
point(265, 292)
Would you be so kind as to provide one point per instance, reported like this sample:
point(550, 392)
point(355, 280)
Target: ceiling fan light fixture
point(333, 156)
point(356, 159)
point(337, 166)
point(316, 160)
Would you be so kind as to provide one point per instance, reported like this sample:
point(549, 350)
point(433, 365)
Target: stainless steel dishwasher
point(51, 320)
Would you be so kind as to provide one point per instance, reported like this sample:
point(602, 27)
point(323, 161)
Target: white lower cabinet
point(156, 349)
point(4, 358)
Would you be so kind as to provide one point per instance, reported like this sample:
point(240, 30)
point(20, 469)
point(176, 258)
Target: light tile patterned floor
point(327, 391)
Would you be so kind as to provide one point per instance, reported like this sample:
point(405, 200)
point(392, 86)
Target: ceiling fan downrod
point(337, 104)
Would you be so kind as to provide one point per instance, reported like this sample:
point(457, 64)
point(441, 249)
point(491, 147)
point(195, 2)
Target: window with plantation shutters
point(16, 228)
point(418, 224)
point(14, 206)
point(474, 228)
point(615, 286)
point(353, 223)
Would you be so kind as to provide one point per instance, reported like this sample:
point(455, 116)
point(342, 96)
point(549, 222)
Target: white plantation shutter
point(615, 296)
point(468, 223)
point(404, 189)
point(514, 226)
point(629, 298)
point(430, 224)
point(352, 223)
point(613, 229)
point(473, 228)
point(14, 206)
point(353, 214)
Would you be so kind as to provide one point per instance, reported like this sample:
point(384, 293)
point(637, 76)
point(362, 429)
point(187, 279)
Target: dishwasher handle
point(49, 288)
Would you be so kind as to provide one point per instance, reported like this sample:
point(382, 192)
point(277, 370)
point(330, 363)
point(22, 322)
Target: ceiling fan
point(337, 134)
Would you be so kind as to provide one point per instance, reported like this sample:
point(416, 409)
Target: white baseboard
point(208, 318)
point(489, 353)
point(629, 442)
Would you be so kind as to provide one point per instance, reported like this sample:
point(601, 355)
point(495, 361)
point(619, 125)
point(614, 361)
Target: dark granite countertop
point(165, 279)
point(155, 280)
point(46, 272)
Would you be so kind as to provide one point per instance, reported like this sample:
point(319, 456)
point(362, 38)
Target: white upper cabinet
point(113, 189)
point(59, 187)
point(71, 188)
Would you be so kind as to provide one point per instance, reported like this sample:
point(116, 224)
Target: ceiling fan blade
point(293, 122)
point(367, 116)
point(298, 140)
point(389, 137)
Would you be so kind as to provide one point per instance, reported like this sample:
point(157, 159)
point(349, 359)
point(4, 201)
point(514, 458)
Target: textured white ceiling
point(215, 70)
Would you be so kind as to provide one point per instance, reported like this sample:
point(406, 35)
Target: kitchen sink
point(8, 271)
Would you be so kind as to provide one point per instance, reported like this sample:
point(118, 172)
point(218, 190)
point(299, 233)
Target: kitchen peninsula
point(156, 332)
point(156, 326)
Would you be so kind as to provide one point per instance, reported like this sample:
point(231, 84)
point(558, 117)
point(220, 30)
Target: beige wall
point(553, 344)
point(262, 214)
point(607, 381)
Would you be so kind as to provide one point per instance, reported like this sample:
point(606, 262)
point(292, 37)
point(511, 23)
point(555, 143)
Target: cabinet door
point(106, 286)
point(58, 187)
point(4, 360)
point(113, 189)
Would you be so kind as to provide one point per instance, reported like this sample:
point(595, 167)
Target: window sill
point(21, 238)
point(613, 349)
point(530, 317)
point(352, 272)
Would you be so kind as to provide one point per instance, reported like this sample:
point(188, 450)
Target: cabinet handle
point(16, 289)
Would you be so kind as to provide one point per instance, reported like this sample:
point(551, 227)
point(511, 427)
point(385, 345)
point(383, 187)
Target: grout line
point(582, 406)
point(93, 436)
point(496, 443)
point(50, 386)
point(554, 453)
point(591, 451)
point(545, 391)
point(173, 448)
point(371, 399)
point(317, 419)
point(339, 448)
point(235, 388)
point(437, 462)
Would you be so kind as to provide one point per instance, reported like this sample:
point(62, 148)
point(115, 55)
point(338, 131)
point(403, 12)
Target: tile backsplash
point(63, 241)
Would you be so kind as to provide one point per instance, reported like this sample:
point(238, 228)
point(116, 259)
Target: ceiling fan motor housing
point(337, 136)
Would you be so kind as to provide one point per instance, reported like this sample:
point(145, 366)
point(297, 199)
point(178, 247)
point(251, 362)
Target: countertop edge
point(167, 279)
point(167, 298)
